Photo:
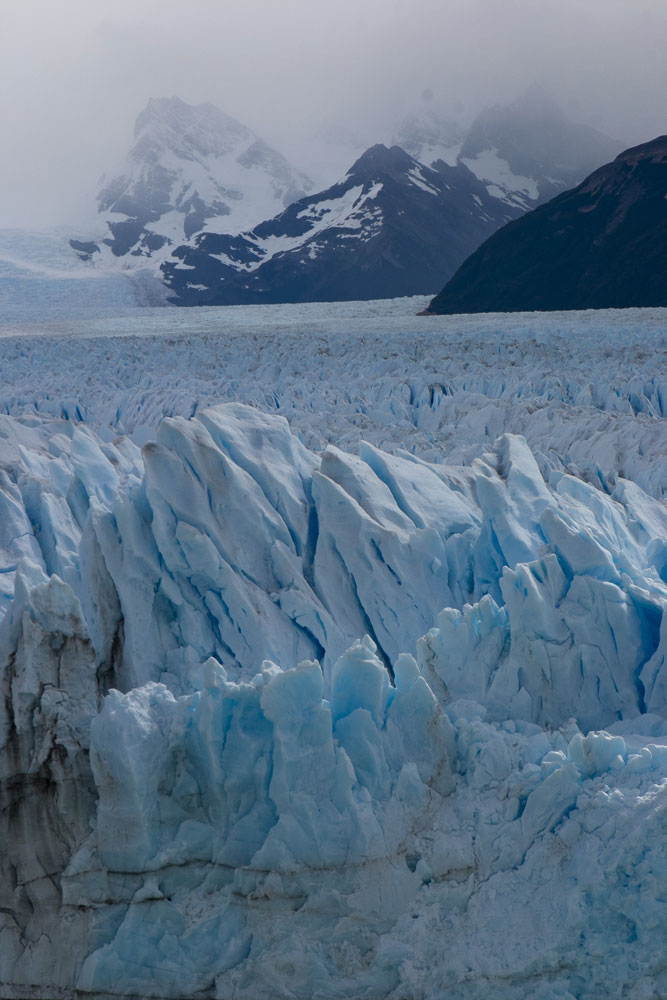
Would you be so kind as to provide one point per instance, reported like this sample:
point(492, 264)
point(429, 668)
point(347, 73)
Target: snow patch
point(490, 168)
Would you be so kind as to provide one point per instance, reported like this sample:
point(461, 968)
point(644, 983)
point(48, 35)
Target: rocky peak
point(379, 161)
point(188, 131)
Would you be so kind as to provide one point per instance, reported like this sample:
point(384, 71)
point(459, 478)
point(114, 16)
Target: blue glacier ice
point(284, 722)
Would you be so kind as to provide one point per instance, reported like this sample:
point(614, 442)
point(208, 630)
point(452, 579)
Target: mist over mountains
point(190, 168)
point(529, 151)
point(222, 218)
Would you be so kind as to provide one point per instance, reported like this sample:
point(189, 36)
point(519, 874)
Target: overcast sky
point(75, 73)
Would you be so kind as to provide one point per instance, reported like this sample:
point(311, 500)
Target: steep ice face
point(217, 534)
point(275, 764)
point(195, 804)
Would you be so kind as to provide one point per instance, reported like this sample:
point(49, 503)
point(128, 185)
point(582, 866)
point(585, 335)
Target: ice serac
point(281, 724)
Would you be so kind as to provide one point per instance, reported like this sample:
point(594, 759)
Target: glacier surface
point(365, 702)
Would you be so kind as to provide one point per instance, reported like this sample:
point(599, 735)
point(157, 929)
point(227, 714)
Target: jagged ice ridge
point(332, 721)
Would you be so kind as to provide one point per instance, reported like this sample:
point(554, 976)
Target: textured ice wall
point(183, 815)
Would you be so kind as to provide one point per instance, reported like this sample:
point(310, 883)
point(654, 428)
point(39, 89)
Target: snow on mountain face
point(430, 136)
point(468, 799)
point(199, 192)
point(390, 227)
point(529, 151)
point(190, 168)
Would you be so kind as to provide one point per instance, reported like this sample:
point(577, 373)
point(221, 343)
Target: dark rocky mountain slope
point(390, 227)
point(602, 245)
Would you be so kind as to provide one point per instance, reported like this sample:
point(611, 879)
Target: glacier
point(352, 687)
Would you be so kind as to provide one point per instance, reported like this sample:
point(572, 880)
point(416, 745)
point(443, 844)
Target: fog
point(74, 75)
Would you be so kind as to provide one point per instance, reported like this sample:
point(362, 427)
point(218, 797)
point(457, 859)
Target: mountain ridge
point(199, 192)
point(601, 245)
point(387, 228)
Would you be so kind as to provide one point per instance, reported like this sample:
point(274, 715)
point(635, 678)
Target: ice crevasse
point(283, 724)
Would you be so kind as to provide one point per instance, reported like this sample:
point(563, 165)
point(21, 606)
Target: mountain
point(393, 226)
point(429, 135)
point(390, 227)
point(528, 151)
point(602, 245)
point(205, 205)
point(189, 168)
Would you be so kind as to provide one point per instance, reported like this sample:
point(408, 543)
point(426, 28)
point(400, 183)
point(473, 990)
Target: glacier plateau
point(366, 702)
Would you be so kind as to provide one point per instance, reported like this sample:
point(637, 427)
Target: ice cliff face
point(245, 752)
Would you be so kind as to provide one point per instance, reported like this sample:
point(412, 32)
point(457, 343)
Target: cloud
point(74, 75)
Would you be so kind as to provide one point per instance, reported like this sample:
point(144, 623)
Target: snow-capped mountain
point(222, 217)
point(429, 135)
point(402, 217)
point(190, 168)
point(601, 245)
point(390, 227)
point(528, 151)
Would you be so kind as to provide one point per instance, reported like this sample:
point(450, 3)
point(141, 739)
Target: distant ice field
point(368, 702)
point(588, 390)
